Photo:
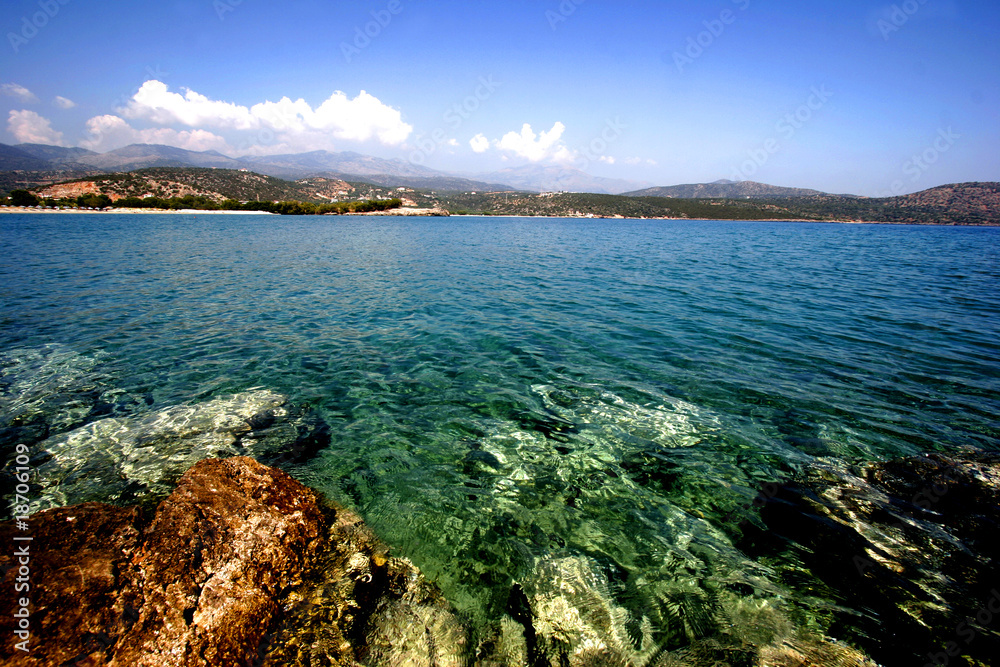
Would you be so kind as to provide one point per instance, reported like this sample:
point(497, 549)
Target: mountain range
point(61, 163)
point(347, 166)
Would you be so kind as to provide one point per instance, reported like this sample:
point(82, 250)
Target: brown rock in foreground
point(221, 575)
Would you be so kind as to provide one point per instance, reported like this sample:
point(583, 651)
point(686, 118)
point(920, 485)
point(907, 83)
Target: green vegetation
point(568, 204)
point(960, 204)
point(93, 201)
point(23, 198)
point(201, 203)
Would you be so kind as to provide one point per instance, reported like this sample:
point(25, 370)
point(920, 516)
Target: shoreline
point(439, 213)
point(184, 211)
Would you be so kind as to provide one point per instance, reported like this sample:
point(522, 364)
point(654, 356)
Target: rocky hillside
point(955, 204)
point(971, 199)
point(959, 204)
point(215, 184)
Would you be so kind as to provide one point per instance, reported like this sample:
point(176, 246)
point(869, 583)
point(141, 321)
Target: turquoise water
point(504, 391)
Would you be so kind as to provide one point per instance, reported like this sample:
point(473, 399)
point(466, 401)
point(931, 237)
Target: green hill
point(215, 184)
point(958, 204)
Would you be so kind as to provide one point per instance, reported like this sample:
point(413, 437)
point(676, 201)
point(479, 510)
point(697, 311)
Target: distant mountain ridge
point(348, 166)
point(547, 178)
point(723, 190)
point(345, 166)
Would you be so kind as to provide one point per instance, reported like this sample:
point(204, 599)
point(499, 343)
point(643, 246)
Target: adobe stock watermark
point(714, 29)
point(223, 7)
point(31, 25)
point(966, 632)
point(925, 498)
point(22, 549)
point(899, 15)
point(363, 36)
point(764, 495)
point(920, 163)
point(562, 13)
point(454, 118)
point(786, 127)
point(596, 149)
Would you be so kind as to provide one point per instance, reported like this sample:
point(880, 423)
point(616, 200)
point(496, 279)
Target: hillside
point(958, 204)
point(15, 159)
point(955, 204)
point(723, 190)
point(215, 184)
point(567, 204)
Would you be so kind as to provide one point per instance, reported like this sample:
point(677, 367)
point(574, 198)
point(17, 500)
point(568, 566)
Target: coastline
point(403, 213)
point(185, 211)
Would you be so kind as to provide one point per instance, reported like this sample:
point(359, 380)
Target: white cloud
point(155, 103)
point(607, 159)
point(535, 148)
point(453, 143)
point(360, 119)
point(479, 143)
point(20, 92)
point(63, 103)
point(109, 132)
point(30, 128)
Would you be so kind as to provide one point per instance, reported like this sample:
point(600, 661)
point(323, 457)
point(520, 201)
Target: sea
point(504, 392)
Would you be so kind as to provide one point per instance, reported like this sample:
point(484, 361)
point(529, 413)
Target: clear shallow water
point(505, 392)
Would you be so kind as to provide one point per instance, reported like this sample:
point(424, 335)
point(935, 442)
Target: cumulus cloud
point(362, 118)
point(30, 128)
point(20, 92)
point(63, 103)
point(109, 132)
point(537, 147)
point(479, 143)
point(155, 103)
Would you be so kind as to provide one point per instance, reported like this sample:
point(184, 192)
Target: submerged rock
point(565, 616)
point(575, 621)
point(907, 549)
point(240, 565)
point(125, 459)
point(52, 389)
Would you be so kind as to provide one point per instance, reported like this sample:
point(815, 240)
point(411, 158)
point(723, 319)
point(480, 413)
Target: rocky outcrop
point(240, 565)
point(910, 544)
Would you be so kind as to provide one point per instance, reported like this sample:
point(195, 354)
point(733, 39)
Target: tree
point(23, 198)
point(93, 201)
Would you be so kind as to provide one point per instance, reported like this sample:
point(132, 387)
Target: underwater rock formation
point(910, 543)
point(565, 616)
point(52, 389)
point(128, 459)
point(241, 564)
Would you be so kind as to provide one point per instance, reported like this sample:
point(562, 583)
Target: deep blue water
point(504, 389)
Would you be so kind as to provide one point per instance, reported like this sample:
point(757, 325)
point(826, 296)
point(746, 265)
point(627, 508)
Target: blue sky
point(863, 97)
